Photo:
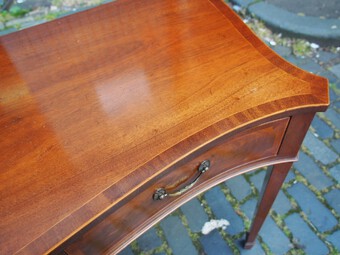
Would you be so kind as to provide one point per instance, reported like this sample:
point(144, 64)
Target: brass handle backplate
point(161, 193)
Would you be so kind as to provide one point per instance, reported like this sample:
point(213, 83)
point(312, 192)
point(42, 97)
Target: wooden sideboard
point(113, 117)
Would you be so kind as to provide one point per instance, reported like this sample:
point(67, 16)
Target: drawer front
point(227, 156)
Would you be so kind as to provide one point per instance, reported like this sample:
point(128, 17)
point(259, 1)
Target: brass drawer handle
point(161, 193)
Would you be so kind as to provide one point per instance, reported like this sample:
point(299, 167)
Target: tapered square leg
point(271, 187)
point(296, 131)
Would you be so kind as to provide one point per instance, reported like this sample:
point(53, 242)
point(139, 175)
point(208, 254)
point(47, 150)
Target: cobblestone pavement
point(305, 217)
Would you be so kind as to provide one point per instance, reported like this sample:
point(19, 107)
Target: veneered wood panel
point(93, 103)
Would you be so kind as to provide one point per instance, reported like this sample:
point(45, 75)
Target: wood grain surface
point(93, 105)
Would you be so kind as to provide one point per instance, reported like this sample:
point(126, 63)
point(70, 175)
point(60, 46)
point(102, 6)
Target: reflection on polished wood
point(97, 106)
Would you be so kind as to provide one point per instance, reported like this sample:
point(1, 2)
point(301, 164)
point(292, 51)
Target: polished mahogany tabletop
point(94, 104)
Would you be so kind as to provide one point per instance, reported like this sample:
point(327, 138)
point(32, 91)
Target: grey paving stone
point(149, 240)
point(334, 239)
point(336, 104)
point(319, 150)
point(312, 172)
point(332, 95)
point(8, 31)
point(258, 179)
point(309, 65)
point(333, 116)
point(239, 187)
point(337, 85)
point(336, 70)
point(335, 172)
point(274, 237)
point(305, 236)
point(222, 209)
point(316, 212)
point(256, 250)
point(177, 236)
point(325, 56)
point(297, 61)
point(195, 214)
point(126, 251)
point(322, 129)
point(32, 23)
point(290, 176)
point(336, 144)
point(282, 50)
point(249, 208)
point(329, 75)
point(214, 244)
point(313, 67)
point(333, 199)
point(243, 3)
point(282, 204)
point(292, 59)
